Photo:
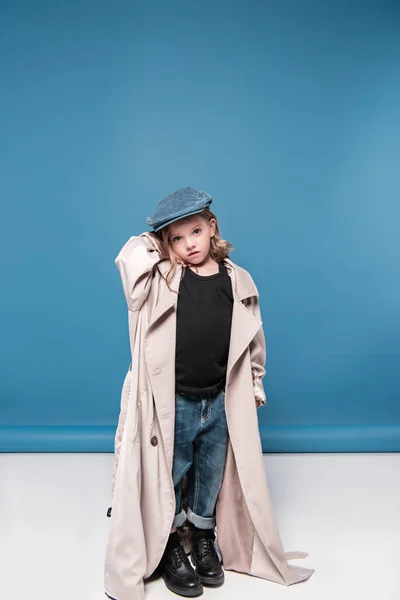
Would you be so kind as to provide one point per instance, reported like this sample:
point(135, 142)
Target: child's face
point(190, 239)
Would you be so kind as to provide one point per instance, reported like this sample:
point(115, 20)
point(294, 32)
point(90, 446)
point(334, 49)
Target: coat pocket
point(145, 416)
point(151, 412)
point(134, 417)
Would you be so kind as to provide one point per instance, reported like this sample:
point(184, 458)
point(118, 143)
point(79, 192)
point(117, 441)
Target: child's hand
point(158, 244)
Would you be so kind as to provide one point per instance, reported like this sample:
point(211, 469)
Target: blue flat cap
point(182, 203)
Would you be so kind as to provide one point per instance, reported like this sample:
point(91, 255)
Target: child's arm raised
point(135, 263)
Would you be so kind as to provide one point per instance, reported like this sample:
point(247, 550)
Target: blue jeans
point(201, 439)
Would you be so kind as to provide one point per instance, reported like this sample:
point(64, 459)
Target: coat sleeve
point(135, 263)
point(258, 354)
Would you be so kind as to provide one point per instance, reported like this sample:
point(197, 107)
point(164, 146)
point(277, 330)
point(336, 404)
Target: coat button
point(154, 440)
point(156, 370)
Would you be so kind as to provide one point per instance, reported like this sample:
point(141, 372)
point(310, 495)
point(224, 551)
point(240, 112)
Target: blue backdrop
point(288, 114)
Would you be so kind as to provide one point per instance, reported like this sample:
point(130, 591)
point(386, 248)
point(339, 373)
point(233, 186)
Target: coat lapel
point(167, 298)
point(244, 323)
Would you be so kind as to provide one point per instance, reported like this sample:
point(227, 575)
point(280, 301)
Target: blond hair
point(219, 248)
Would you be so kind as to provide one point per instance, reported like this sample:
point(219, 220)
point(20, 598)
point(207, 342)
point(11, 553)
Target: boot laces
point(178, 556)
point(206, 547)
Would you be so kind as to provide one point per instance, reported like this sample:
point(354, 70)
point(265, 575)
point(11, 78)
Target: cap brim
point(195, 212)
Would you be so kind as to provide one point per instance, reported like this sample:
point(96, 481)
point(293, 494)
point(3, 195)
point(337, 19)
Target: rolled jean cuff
point(179, 519)
point(200, 522)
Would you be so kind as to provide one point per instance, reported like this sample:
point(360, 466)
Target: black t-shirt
point(203, 330)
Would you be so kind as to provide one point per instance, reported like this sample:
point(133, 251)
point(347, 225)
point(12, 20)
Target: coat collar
point(242, 287)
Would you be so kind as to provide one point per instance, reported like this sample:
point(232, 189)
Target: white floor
point(342, 509)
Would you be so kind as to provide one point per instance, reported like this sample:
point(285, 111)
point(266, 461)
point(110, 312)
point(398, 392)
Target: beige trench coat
point(143, 499)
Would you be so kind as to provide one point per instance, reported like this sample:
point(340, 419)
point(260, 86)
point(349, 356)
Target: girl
point(189, 410)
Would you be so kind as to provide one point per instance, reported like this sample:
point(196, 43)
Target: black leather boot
point(177, 572)
point(205, 557)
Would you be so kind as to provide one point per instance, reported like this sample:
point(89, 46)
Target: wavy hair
point(219, 248)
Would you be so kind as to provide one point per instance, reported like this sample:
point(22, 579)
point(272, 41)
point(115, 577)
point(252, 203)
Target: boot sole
point(183, 592)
